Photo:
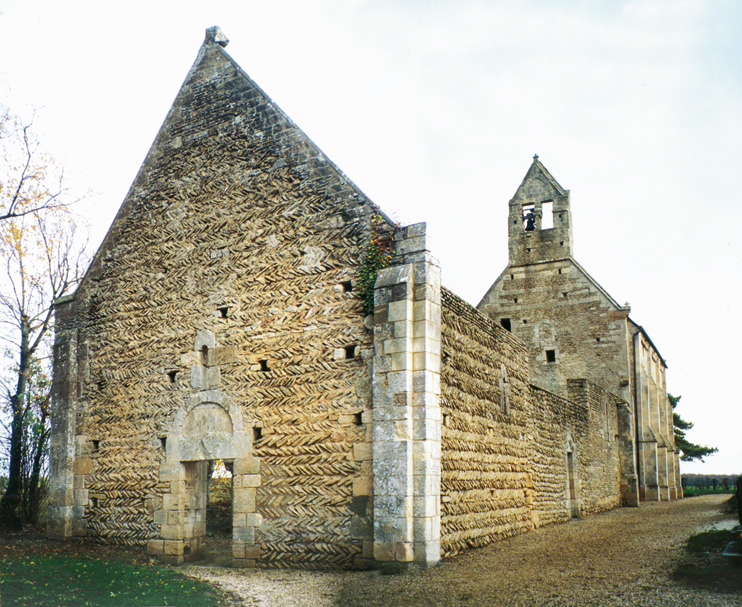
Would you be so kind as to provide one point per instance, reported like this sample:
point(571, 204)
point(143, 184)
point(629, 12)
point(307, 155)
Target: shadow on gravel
point(703, 566)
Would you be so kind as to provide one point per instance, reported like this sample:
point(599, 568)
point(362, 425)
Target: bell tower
point(540, 220)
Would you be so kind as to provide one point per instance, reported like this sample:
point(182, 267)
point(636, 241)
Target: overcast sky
point(435, 110)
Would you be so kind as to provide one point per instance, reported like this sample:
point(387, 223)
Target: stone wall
point(587, 427)
point(515, 456)
point(485, 477)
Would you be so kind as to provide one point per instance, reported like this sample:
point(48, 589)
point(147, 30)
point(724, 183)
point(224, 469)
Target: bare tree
point(29, 181)
point(42, 261)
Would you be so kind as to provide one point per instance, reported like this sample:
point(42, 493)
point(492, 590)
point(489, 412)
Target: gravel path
point(623, 557)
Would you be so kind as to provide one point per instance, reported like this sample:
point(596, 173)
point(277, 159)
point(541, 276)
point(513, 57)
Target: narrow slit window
point(551, 356)
point(257, 433)
point(515, 300)
point(163, 442)
point(205, 356)
point(560, 270)
point(93, 502)
point(505, 324)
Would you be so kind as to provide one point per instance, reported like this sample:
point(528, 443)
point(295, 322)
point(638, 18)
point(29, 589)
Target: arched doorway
point(209, 428)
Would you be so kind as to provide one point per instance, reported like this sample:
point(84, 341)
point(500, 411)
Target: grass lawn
point(691, 491)
point(80, 581)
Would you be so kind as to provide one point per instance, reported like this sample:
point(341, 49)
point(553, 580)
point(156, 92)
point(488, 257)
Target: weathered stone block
point(173, 547)
point(247, 465)
point(404, 552)
point(362, 486)
point(250, 480)
point(156, 547)
point(244, 500)
point(362, 451)
point(83, 465)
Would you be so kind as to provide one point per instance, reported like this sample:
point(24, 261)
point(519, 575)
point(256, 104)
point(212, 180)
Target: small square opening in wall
point(551, 356)
point(95, 445)
point(93, 502)
point(172, 375)
point(525, 322)
point(347, 286)
point(515, 300)
point(350, 351)
point(257, 434)
point(223, 311)
point(564, 294)
point(560, 270)
point(505, 324)
point(358, 418)
point(597, 339)
point(264, 366)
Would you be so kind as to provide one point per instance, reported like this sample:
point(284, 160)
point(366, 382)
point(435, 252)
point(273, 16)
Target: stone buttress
point(406, 411)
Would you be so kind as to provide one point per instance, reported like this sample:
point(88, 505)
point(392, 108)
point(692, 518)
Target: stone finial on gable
point(215, 34)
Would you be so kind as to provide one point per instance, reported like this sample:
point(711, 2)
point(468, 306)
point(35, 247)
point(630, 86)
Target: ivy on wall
point(378, 256)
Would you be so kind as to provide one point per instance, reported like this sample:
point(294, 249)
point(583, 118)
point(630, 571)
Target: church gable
point(224, 137)
point(539, 183)
point(224, 293)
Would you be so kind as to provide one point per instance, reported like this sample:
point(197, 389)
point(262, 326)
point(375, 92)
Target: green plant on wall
point(378, 256)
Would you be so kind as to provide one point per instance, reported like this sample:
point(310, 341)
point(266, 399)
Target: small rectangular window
point(550, 356)
point(350, 352)
point(264, 366)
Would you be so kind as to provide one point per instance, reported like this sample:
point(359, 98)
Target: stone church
point(574, 328)
point(232, 314)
